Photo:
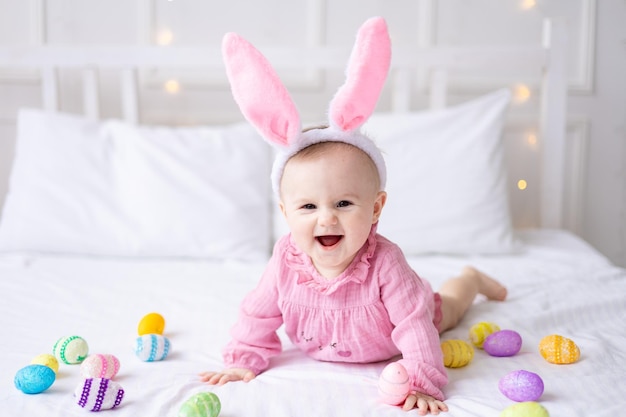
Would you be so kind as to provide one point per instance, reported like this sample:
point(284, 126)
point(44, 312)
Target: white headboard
point(424, 71)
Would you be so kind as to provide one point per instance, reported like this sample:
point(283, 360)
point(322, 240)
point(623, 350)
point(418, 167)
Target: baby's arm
point(227, 375)
point(424, 404)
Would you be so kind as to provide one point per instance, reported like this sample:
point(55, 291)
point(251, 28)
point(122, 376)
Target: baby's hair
point(321, 148)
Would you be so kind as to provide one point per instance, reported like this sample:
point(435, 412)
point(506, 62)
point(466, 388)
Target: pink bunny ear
point(365, 76)
point(261, 96)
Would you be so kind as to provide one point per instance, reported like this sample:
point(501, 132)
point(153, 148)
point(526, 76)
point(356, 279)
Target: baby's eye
point(308, 206)
point(344, 203)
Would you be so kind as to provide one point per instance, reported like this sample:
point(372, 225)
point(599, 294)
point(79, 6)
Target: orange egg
point(152, 323)
point(456, 353)
point(558, 349)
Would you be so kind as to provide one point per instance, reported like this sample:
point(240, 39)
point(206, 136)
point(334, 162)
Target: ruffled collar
point(307, 275)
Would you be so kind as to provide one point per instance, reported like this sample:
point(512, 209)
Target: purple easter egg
point(503, 343)
point(521, 386)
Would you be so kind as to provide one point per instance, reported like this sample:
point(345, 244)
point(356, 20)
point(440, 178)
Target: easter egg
point(100, 366)
point(456, 353)
point(525, 409)
point(48, 360)
point(71, 350)
point(558, 349)
point(34, 379)
point(204, 404)
point(479, 332)
point(152, 347)
point(95, 394)
point(503, 343)
point(151, 323)
point(393, 384)
point(521, 386)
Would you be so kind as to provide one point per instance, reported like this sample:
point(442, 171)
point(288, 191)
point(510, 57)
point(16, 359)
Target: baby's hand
point(424, 404)
point(227, 375)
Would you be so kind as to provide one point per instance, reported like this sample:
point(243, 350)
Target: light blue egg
point(34, 379)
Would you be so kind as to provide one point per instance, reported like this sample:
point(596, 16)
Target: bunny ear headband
point(267, 105)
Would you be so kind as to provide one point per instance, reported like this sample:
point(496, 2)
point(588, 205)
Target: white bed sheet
point(559, 284)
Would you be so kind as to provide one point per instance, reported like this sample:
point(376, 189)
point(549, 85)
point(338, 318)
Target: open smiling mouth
point(329, 240)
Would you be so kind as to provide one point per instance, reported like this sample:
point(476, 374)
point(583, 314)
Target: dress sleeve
point(410, 303)
point(254, 338)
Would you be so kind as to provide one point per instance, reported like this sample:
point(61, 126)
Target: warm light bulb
point(532, 141)
point(521, 93)
point(527, 4)
point(172, 86)
point(522, 184)
point(165, 37)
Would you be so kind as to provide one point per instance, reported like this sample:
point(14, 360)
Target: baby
point(343, 292)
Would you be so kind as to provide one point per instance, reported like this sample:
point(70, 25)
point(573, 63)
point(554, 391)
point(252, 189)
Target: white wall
point(597, 64)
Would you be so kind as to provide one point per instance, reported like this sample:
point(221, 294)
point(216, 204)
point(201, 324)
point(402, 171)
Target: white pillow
point(447, 187)
point(115, 189)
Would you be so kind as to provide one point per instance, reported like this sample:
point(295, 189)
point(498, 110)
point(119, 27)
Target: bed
point(108, 220)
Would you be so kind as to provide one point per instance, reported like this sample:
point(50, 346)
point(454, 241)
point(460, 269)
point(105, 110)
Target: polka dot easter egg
point(151, 323)
point(71, 350)
point(152, 347)
point(34, 379)
point(96, 394)
point(521, 386)
point(503, 343)
point(204, 404)
point(558, 349)
point(48, 360)
point(393, 384)
point(456, 353)
point(100, 366)
point(525, 409)
point(479, 332)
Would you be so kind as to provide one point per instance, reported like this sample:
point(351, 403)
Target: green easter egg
point(525, 409)
point(204, 404)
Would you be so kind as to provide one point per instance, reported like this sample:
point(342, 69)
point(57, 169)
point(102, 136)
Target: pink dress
point(376, 309)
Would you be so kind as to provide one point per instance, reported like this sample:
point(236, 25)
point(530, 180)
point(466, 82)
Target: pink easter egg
point(393, 384)
point(100, 366)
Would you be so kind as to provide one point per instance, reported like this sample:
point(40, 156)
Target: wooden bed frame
point(545, 63)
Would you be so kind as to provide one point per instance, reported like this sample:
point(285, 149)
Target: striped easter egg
point(70, 350)
point(152, 347)
point(204, 404)
point(479, 332)
point(100, 366)
point(456, 353)
point(95, 394)
point(558, 349)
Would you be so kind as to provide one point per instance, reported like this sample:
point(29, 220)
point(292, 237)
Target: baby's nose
point(327, 218)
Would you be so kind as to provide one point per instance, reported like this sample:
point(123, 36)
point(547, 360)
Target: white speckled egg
point(71, 350)
point(33, 379)
point(503, 343)
point(95, 394)
point(152, 347)
point(100, 366)
point(393, 384)
point(521, 386)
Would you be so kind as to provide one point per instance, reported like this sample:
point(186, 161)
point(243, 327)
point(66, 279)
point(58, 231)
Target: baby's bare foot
point(487, 286)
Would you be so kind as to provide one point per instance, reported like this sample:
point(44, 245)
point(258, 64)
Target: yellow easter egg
point(152, 323)
point(48, 360)
point(525, 409)
point(456, 353)
point(558, 349)
point(479, 332)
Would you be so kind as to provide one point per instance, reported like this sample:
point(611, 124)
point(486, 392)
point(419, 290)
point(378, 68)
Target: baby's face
point(330, 202)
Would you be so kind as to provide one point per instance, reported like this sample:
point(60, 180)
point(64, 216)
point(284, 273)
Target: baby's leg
point(457, 295)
